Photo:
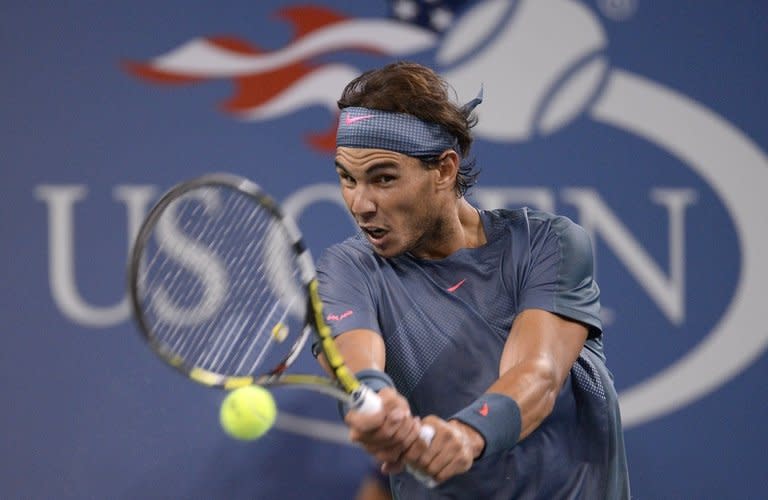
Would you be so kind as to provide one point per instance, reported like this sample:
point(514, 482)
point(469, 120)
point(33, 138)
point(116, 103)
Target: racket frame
point(344, 387)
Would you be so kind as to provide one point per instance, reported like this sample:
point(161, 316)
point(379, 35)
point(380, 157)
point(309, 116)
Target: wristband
point(497, 418)
point(375, 379)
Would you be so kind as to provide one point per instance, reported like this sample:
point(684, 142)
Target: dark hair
point(406, 87)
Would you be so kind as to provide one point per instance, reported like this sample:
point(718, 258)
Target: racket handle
point(365, 400)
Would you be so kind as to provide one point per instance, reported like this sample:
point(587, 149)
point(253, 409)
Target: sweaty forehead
point(354, 159)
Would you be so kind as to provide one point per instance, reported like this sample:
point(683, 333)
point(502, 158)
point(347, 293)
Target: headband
point(376, 129)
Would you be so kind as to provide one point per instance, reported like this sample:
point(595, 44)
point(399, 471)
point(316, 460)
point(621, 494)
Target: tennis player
point(484, 322)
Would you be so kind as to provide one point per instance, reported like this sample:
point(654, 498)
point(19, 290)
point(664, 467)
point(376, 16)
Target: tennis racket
point(224, 290)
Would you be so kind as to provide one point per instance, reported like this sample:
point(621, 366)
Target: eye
point(346, 179)
point(384, 180)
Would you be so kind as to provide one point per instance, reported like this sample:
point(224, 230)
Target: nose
point(360, 202)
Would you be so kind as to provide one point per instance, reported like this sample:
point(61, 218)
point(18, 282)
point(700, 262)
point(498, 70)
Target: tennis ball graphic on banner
point(551, 55)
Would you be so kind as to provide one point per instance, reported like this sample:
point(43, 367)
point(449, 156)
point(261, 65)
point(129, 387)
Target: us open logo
point(545, 67)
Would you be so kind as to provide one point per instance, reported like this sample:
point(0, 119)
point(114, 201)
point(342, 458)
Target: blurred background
point(643, 121)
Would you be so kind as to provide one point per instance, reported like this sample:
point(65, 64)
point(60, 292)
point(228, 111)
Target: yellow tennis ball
point(248, 412)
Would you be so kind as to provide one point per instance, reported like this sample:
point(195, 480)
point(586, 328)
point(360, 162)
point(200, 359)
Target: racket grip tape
point(365, 400)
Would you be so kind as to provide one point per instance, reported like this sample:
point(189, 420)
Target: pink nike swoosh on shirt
point(484, 409)
point(456, 286)
point(349, 120)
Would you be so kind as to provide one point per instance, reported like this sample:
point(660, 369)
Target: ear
point(448, 169)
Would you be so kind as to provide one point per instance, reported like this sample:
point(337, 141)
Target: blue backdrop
point(644, 121)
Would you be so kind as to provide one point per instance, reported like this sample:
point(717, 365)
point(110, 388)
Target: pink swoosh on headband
point(349, 120)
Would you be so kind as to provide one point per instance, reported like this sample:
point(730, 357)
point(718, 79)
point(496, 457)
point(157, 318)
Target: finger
point(392, 467)
point(406, 433)
point(455, 456)
point(457, 464)
point(386, 451)
point(373, 442)
point(392, 400)
point(381, 425)
point(446, 443)
point(389, 434)
point(441, 466)
point(415, 452)
point(391, 454)
point(422, 452)
point(390, 440)
point(364, 422)
point(394, 447)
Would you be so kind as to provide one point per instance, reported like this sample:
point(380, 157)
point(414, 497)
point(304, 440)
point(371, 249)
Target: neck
point(472, 229)
point(462, 229)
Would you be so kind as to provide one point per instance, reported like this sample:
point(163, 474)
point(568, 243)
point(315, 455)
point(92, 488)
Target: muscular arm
point(537, 357)
point(362, 349)
point(539, 353)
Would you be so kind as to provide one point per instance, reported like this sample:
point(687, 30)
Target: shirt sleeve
point(348, 301)
point(559, 277)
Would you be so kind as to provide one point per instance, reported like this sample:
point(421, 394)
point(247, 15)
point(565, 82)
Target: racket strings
point(219, 283)
point(267, 309)
point(196, 225)
point(183, 292)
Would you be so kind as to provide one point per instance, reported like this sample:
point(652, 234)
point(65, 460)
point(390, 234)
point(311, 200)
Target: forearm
point(509, 410)
point(538, 355)
point(534, 385)
point(361, 350)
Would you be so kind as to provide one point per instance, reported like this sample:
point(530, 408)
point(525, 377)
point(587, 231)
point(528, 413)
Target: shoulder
point(354, 252)
point(547, 239)
point(556, 264)
point(535, 224)
point(569, 234)
point(354, 245)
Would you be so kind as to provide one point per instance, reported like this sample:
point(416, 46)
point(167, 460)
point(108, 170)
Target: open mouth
point(374, 233)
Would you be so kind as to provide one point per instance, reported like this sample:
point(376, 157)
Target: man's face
point(392, 197)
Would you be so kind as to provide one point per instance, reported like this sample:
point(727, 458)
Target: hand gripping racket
point(224, 290)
